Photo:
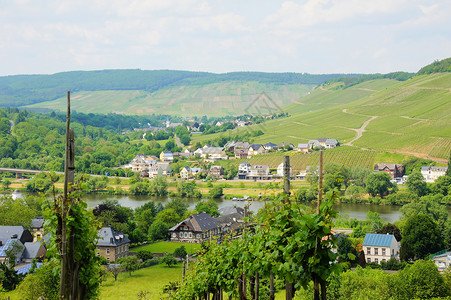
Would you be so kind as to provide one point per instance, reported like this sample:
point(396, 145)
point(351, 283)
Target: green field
point(215, 99)
point(149, 279)
point(163, 247)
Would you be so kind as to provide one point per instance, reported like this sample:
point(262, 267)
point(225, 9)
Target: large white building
point(431, 173)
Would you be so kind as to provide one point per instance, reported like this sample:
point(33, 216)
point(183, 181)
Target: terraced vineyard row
point(345, 156)
point(441, 148)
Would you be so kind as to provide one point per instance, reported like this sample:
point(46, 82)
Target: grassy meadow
point(169, 247)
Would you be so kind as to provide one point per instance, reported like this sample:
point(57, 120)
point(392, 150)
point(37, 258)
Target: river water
point(390, 213)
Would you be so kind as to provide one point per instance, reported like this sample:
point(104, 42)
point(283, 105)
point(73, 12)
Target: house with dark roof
point(270, 146)
point(24, 252)
point(216, 171)
point(380, 247)
point(395, 170)
point(255, 149)
point(15, 232)
point(200, 227)
point(112, 245)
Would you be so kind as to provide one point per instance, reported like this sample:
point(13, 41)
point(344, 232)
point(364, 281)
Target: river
point(390, 213)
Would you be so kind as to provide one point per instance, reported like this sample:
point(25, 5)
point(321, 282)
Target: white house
point(431, 173)
point(185, 172)
point(243, 169)
point(442, 261)
point(380, 247)
point(280, 170)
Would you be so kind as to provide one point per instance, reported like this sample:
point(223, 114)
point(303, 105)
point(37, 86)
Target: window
point(393, 252)
point(368, 251)
point(383, 251)
point(384, 260)
point(368, 260)
point(376, 251)
point(376, 260)
point(174, 234)
point(107, 251)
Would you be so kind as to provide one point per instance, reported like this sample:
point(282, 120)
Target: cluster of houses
point(396, 171)
point(151, 166)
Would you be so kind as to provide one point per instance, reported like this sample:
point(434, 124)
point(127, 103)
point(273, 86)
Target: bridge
point(19, 172)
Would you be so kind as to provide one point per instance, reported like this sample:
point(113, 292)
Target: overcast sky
point(312, 36)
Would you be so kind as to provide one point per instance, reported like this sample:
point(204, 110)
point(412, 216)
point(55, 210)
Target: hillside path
point(360, 130)
point(177, 140)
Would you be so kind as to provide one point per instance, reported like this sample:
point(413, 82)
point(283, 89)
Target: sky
point(308, 36)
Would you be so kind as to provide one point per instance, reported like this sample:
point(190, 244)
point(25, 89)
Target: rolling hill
point(410, 117)
point(214, 99)
point(154, 91)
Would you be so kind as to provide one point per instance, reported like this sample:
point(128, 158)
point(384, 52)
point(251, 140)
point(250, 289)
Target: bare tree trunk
point(251, 287)
point(323, 290)
point(315, 289)
point(289, 290)
point(257, 286)
point(271, 287)
point(184, 270)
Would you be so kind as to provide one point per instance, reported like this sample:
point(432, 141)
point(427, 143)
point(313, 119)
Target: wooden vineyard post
point(68, 286)
point(316, 292)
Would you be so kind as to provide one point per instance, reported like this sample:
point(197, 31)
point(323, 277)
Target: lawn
point(163, 247)
point(150, 279)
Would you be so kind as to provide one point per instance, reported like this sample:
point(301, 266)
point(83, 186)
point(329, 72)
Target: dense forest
point(28, 89)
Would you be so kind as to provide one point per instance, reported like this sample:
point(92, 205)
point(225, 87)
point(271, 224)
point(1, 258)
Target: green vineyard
point(344, 156)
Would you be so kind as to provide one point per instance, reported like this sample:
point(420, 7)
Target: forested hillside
point(28, 89)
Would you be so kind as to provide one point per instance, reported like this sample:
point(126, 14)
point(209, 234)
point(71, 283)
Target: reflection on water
point(390, 213)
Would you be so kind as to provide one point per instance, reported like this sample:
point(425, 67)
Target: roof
point(10, 243)
point(270, 145)
point(25, 269)
point(260, 167)
point(255, 147)
point(332, 141)
point(282, 145)
point(228, 210)
point(32, 249)
point(198, 222)
point(6, 232)
point(227, 219)
point(213, 150)
point(245, 163)
point(381, 240)
point(381, 166)
point(37, 222)
point(303, 146)
point(434, 169)
point(322, 140)
point(108, 237)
